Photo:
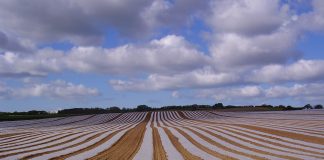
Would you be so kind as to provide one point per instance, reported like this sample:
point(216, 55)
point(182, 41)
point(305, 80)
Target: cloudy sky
point(75, 53)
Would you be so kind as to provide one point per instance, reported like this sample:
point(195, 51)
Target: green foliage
point(34, 114)
point(319, 106)
point(143, 108)
point(308, 106)
point(218, 106)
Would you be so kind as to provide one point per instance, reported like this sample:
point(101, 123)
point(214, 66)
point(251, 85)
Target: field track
point(173, 135)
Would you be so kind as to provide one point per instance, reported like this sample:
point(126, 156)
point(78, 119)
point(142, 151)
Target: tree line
point(141, 108)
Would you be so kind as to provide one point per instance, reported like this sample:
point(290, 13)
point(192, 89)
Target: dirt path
point(11, 154)
point(158, 151)
point(128, 145)
point(246, 147)
point(297, 136)
point(182, 115)
point(200, 146)
point(74, 145)
point(229, 141)
point(221, 146)
point(276, 144)
point(185, 153)
point(281, 119)
point(15, 144)
point(87, 148)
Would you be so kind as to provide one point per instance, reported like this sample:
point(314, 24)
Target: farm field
point(171, 135)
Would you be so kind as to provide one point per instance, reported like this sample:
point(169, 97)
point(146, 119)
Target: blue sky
point(159, 52)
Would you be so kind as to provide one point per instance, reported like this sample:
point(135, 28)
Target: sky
point(101, 53)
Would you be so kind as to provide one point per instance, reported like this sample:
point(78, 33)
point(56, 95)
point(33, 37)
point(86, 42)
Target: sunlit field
point(171, 135)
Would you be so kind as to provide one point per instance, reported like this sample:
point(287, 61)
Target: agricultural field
point(171, 135)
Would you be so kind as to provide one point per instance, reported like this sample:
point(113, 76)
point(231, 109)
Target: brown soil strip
point(297, 114)
point(277, 144)
point(71, 146)
point(128, 145)
point(274, 138)
point(306, 138)
point(182, 115)
point(78, 120)
point(16, 144)
point(246, 147)
point(112, 119)
point(197, 144)
point(259, 118)
point(99, 123)
point(174, 140)
point(88, 148)
point(32, 145)
point(11, 154)
point(185, 153)
point(288, 126)
point(11, 134)
point(223, 147)
point(18, 138)
point(291, 135)
point(40, 122)
point(236, 143)
point(158, 122)
point(229, 125)
point(200, 146)
point(158, 150)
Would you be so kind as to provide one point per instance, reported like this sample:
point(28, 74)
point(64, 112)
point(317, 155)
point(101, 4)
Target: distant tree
point(308, 106)
point(82, 111)
point(230, 106)
point(218, 106)
point(266, 106)
point(124, 110)
point(143, 108)
point(290, 108)
point(319, 106)
point(113, 109)
point(194, 107)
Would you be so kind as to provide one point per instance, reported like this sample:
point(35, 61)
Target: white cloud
point(55, 90)
point(306, 92)
point(247, 16)
point(9, 43)
point(303, 93)
point(302, 70)
point(313, 20)
point(85, 23)
point(205, 77)
point(175, 94)
point(252, 43)
point(235, 50)
point(230, 93)
point(252, 33)
point(38, 64)
point(81, 22)
point(170, 54)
